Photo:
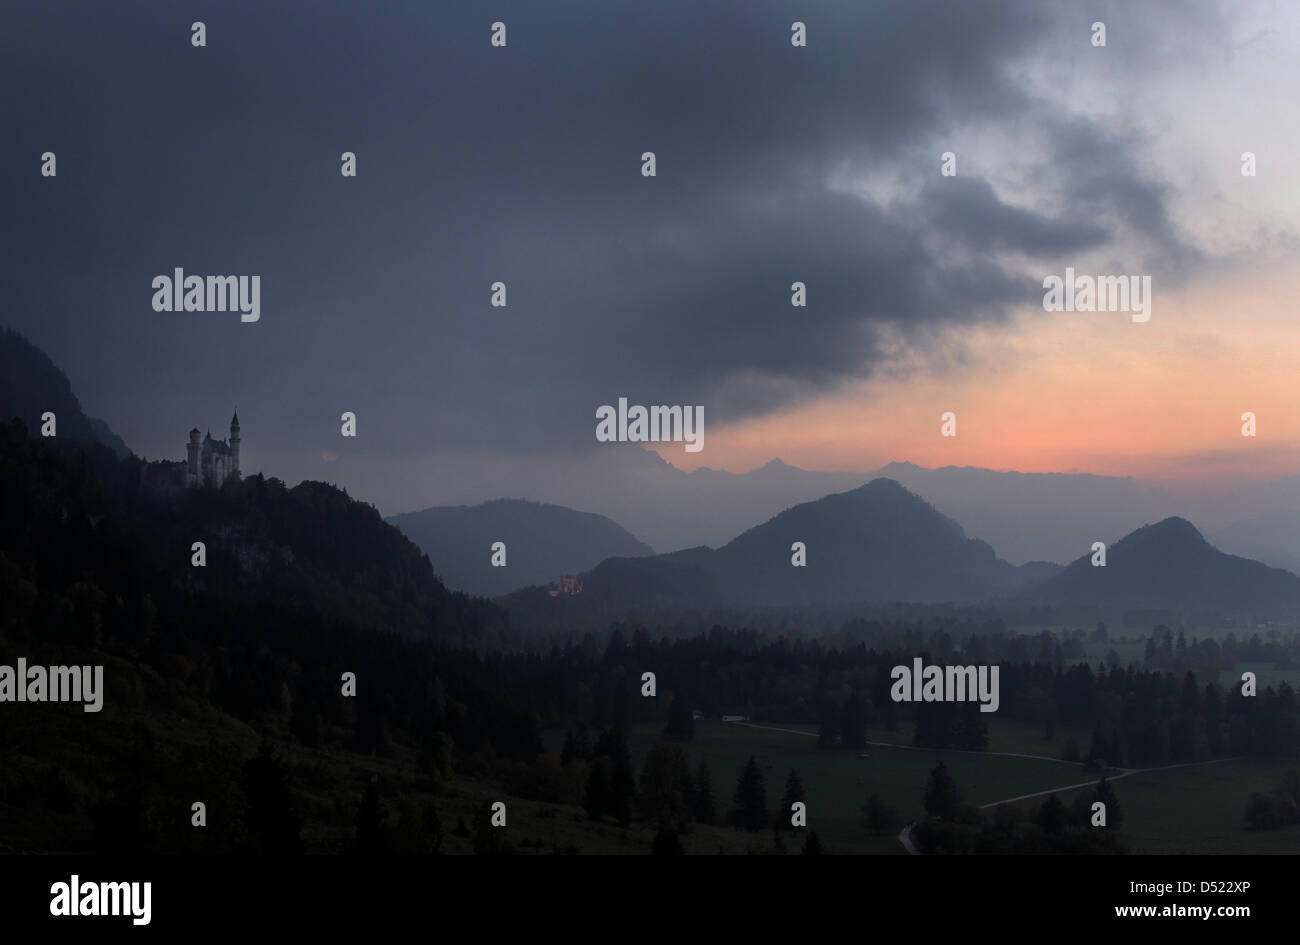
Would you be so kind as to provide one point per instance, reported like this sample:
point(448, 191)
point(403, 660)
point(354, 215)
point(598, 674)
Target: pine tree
point(813, 845)
point(706, 811)
point(1097, 750)
point(1191, 694)
point(1051, 816)
point(877, 814)
point(1070, 752)
point(611, 784)
point(1106, 794)
point(751, 797)
point(793, 794)
point(941, 794)
point(665, 788)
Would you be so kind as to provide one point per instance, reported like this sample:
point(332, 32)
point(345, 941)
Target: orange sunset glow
point(1051, 392)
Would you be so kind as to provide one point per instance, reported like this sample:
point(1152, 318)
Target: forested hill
point(875, 544)
point(1170, 567)
point(202, 663)
point(545, 542)
point(31, 385)
point(310, 546)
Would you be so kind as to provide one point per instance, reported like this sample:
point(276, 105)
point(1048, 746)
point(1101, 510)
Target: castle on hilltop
point(211, 462)
point(208, 462)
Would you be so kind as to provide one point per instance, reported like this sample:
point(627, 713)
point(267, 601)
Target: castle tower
point(234, 444)
point(192, 472)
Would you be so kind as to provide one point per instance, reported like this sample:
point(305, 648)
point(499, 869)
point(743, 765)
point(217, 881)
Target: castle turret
point(234, 444)
point(192, 458)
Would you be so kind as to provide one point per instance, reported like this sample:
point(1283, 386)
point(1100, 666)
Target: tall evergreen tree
point(751, 797)
point(794, 793)
point(665, 788)
point(878, 815)
point(1106, 794)
point(1191, 694)
point(941, 794)
point(706, 811)
point(1051, 816)
point(611, 791)
point(1097, 751)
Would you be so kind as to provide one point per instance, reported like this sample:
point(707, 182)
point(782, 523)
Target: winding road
point(905, 835)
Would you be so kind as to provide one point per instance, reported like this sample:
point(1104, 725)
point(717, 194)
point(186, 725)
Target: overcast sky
point(774, 164)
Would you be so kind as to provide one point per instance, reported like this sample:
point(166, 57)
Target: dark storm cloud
point(522, 165)
point(967, 208)
point(1104, 183)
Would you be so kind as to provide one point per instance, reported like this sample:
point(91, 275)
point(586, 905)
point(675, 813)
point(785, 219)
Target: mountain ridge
point(31, 385)
point(544, 542)
point(873, 544)
point(1169, 565)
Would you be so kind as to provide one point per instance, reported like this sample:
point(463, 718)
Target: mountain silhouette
point(31, 385)
point(1273, 538)
point(875, 543)
point(1170, 566)
point(266, 545)
point(543, 543)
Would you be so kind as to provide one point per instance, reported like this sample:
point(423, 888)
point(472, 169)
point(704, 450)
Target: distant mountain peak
point(1172, 529)
point(886, 486)
point(876, 542)
point(545, 542)
point(1169, 566)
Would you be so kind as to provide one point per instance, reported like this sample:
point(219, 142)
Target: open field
point(1180, 810)
point(1197, 810)
point(837, 782)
